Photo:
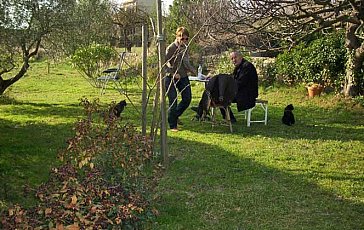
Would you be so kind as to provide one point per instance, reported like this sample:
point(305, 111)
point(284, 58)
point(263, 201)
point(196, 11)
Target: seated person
point(246, 78)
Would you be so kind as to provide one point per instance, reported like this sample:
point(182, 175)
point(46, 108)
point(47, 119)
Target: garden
point(67, 161)
point(275, 176)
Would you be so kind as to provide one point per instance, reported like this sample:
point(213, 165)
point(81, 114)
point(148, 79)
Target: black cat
point(288, 117)
point(118, 108)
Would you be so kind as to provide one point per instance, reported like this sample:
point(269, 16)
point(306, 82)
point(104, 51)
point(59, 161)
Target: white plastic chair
point(248, 113)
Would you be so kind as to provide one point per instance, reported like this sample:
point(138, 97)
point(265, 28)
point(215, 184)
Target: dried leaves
point(103, 181)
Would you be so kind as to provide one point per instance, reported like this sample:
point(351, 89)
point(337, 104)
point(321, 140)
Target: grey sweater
point(178, 60)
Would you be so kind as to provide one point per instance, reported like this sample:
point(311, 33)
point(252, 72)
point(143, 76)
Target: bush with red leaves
point(105, 180)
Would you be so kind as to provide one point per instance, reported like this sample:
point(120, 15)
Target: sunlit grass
point(308, 176)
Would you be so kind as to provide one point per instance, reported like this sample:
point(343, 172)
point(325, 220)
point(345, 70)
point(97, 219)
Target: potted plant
point(316, 86)
point(314, 89)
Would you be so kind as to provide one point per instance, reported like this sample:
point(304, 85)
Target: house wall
point(147, 5)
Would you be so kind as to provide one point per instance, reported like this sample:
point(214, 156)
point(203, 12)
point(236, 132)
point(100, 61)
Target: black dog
point(288, 117)
point(219, 90)
point(203, 109)
point(119, 108)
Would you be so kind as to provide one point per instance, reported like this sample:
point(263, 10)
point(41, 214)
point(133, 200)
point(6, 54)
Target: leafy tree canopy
point(57, 26)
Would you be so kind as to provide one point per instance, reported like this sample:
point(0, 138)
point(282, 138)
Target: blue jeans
point(176, 109)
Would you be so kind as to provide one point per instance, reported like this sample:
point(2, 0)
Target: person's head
point(236, 58)
point(182, 35)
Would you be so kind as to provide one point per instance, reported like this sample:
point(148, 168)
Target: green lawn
point(308, 176)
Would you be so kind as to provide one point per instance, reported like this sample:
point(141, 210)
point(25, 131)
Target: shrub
point(266, 69)
point(321, 61)
point(224, 65)
point(92, 60)
point(103, 183)
point(288, 66)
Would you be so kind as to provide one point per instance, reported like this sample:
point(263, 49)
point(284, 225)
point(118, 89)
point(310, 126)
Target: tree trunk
point(353, 84)
point(4, 84)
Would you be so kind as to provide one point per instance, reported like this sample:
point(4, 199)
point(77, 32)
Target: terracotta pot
point(314, 90)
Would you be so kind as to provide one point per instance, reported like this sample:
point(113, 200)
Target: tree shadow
point(206, 187)
point(311, 124)
point(44, 109)
point(27, 153)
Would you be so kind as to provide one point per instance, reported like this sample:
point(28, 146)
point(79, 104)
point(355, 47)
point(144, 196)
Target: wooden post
point(145, 78)
point(161, 55)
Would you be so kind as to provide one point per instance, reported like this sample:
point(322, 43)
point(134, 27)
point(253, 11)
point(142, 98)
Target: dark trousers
point(176, 109)
point(232, 117)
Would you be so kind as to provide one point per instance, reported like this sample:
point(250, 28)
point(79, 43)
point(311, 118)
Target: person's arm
point(170, 53)
point(187, 64)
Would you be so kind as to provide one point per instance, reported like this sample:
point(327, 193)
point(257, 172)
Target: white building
point(147, 5)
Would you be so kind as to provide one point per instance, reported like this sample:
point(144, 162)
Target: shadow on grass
point(27, 153)
point(61, 110)
point(207, 187)
point(44, 109)
point(311, 124)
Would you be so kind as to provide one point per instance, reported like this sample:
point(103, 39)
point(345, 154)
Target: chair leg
point(213, 116)
point(227, 115)
point(248, 113)
point(249, 117)
point(266, 114)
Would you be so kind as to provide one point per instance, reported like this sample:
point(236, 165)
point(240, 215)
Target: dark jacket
point(220, 90)
point(247, 80)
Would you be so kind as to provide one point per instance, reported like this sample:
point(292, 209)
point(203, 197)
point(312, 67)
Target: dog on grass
point(220, 90)
point(203, 109)
point(288, 117)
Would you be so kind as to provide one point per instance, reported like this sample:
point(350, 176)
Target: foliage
point(58, 27)
point(322, 61)
point(7, 59)
point(175, 19)
point(152, 66)
point(93, 59)
point(122, 151)
point(127, 24)
point(289, 65)
point(266, 68)
point(224, 64)
point(91, 23)
point(178, 18)
point(359, 100)
point(104, 180)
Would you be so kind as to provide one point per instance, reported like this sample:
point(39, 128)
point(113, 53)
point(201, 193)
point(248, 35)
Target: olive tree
point(53, 25)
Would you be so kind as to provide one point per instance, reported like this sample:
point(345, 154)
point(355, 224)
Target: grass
point(309, 176)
